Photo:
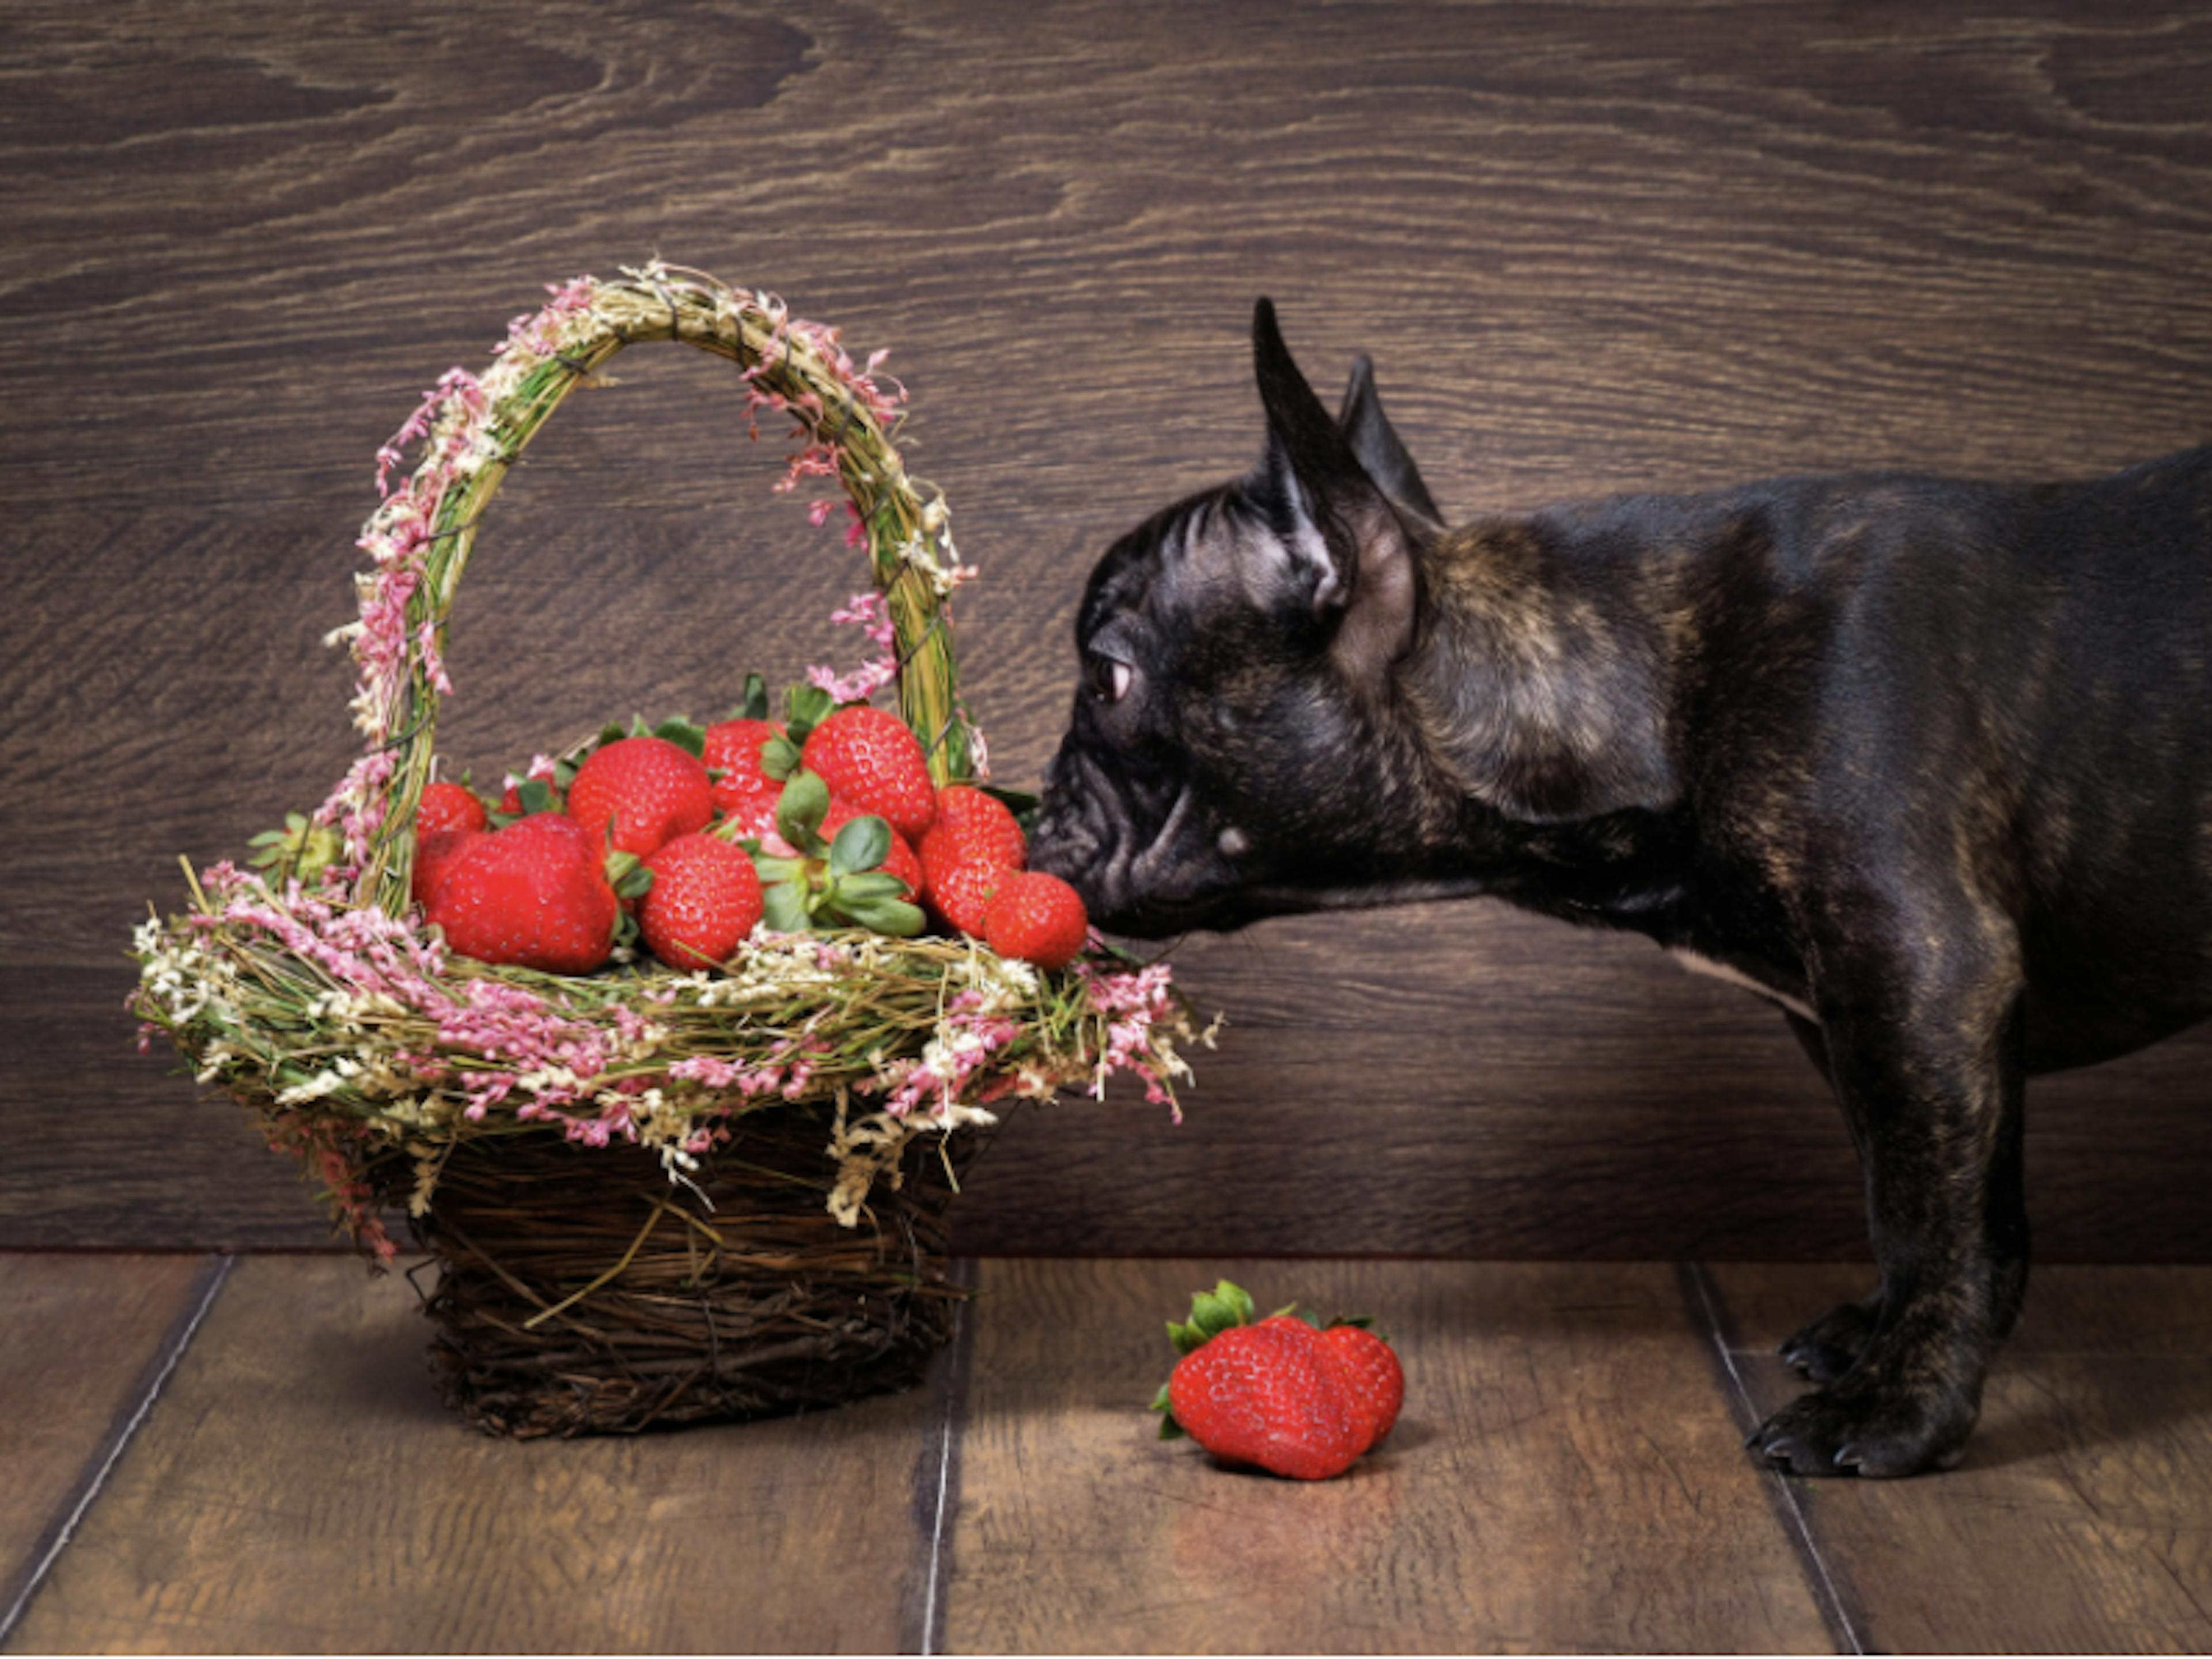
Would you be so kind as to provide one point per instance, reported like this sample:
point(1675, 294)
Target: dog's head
point(1228, 737)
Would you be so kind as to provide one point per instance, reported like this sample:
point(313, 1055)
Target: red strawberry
point(753, 814)
point(900, 861)
point(534, 895)
point(1269, 1394)
point(704, 899)
point(448, 806)
point(1278, 1392)
point(649, 789)
point(1037, 918)
point(870, 758)
point(959, 895)
point(733, 749)
point(433, 853)
point(1375, 1383)
point(972, 828)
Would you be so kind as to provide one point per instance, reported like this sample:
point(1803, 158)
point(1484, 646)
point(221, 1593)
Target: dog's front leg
point(1925, 1048)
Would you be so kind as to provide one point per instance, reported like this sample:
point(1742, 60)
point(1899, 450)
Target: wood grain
point(300, 1488)
point(2079, 1521)
point(1592, 246)
point(81, 1340)
point(1565, 1477)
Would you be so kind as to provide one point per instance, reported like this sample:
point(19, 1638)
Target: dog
point(1927, 763)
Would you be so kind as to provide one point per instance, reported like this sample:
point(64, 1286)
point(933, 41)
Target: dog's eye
point(1107, 678)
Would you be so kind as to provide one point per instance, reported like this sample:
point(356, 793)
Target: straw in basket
point(651, 1196)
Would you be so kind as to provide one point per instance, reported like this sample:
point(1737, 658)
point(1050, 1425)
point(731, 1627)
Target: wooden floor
point(219, 1453)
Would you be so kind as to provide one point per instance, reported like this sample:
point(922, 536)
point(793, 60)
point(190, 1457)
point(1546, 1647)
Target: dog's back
point(2017, 677)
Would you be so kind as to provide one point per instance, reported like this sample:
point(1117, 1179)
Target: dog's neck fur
point(1541, 675)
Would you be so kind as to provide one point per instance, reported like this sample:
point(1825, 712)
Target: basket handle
point(423, 536)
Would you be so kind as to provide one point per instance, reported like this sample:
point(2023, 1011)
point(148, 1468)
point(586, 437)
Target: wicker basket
point(578, 1292)
point(621, 1240)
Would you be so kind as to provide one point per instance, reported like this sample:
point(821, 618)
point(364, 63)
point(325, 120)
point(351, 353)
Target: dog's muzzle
point(1144, 857)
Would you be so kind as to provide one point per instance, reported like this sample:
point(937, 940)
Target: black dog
point(1927, 763)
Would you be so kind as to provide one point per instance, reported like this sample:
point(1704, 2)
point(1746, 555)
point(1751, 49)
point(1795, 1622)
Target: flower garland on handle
point(475, 428)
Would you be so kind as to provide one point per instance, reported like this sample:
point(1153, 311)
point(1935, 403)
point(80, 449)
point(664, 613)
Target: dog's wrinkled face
point(1233, 647)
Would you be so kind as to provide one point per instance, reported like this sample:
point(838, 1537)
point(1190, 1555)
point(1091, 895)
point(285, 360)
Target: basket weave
point(578, 1292)
point(699, 1257)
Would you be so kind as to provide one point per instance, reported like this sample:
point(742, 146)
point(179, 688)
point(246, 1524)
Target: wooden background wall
point(1592, 247)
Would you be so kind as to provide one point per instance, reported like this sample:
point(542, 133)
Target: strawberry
point(733, 749)
point(433, 853)
point(705, 899)
point(1267, 1394)
point(1283, 1393)
point(870, 758)
point(959, 895)
point(1036, 917)
point(448, 806)
point(534, 895)
point(900, 861)
point(747, 810)
point(972, 828)
point(1375, 1383)
point(648, 789)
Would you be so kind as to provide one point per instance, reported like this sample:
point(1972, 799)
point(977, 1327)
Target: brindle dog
point(1928, 763)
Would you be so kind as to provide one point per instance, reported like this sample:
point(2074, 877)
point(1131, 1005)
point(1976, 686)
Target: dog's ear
point(1379, 449)
point(1336, 523)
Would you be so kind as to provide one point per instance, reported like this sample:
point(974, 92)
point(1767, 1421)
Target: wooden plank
point(1592, 247)
point(1565, 1477)
point(301, 1488)
point(82, 1338)
point(2079, 1521)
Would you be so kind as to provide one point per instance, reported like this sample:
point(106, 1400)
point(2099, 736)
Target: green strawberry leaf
point(536, 796)
point(773, 869)
point(1210, 1315)
point(628, 876)
point(893, 916)
point(779, 758)
point(755, 703)
point(1215, 1310)
point(783, 907)
point(1169, 1429)
point(804, 707)
point(800, 811)
point(1187, 1339)
point(687, 735)
point(613, 732)
point(861, 845)
point(869, 885)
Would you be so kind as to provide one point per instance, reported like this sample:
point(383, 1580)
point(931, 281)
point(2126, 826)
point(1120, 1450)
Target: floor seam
point(947, 1496)
point(172, 1350)
point(1835, 1609)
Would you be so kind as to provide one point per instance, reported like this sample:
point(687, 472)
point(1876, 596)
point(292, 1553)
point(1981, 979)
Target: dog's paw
point(1831, 1344)
point(1859, 1427)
